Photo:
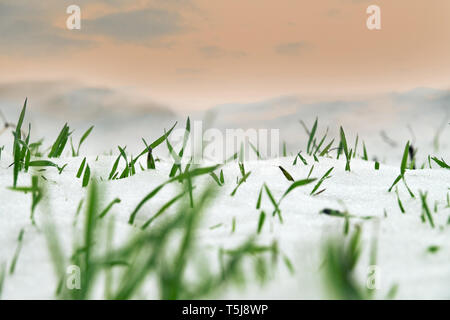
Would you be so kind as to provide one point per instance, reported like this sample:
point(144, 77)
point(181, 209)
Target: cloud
point(75, 101)
point(363, 115)
point(27, 28)
point(120, 117)
point(135, 26)
point(291, 48)
point(218, 52)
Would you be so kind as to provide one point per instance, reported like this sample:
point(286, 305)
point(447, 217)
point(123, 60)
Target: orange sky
point(209, 52)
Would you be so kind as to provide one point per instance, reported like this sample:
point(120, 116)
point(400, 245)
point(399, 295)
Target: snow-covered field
point(402, 254)
point(412, 256)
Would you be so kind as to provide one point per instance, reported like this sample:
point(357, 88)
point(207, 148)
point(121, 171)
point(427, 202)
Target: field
point(325, 221)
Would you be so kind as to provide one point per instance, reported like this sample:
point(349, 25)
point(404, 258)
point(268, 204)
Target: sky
point(195, 54)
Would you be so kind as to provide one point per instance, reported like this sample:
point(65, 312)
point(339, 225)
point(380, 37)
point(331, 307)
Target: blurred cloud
point(189, 71)
point(119, 117)
point(219, 52)
point(70, 100)
point(291, 48)
point(32, 27)
point(186, 51)
point(421, 110)
point(135, 26)
point(26, 28)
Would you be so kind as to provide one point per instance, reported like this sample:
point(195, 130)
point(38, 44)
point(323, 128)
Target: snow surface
point(403, 239)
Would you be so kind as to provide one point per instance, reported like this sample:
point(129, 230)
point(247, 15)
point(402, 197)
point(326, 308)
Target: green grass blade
point(60, 143)
point(326, 149)
point(310, 172)
point(80, 170)
point(108, 207)
point(215, 178)
point(321, 180)
point(156, 143)
point(242, 180)
point(161, 139)
point(404, 159)
point(286, 174)
point(311, 136)
point(343, 141)
point(258, 202)
point(20, 121)
point(83, 138)
point(423, 198)
point(17, 252)
point(356, 146)
point(16, 147)
point(441, 163)
point(221, 177)
point(162, 210)
point(395, 182)
point(258, 154)
point(177, 165)
point(365, 156)
point(262, 218)
point(275, 204)
point(143, 201)
point(89, 234)
point(86, 176)
point(321, 142)
point(114, 168)
point(400, 204)
point(297, 184)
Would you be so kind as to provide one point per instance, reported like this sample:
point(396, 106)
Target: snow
point(403, 239)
